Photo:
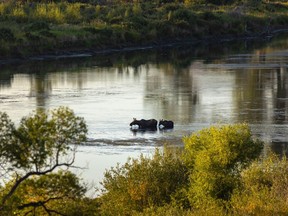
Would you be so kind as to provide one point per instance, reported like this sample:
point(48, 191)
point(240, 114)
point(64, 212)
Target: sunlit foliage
point(264, 188)
point(142, 183)
point(215, 157)
point(199, 181)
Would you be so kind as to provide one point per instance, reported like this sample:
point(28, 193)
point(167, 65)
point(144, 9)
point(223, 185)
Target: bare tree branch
point(36, 148)
point(33, 173)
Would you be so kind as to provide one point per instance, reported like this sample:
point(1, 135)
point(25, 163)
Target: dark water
point(195, 86)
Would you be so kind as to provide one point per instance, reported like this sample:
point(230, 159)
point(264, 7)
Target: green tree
point(142, 183)
point(215, 157)
point(44, 195)
point(40, 144)
point(264, 188)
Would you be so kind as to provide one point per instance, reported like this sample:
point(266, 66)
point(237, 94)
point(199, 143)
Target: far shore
point(83, 53)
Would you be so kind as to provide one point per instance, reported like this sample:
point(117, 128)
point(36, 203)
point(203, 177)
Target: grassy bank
point(32, 28)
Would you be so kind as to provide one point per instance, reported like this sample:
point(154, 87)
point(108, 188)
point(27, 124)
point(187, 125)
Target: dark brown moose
point(150, 124)
point(166, 124)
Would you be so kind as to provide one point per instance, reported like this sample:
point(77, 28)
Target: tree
point(42, 143)
point(215, 157)
point(143, 183)
point(45, 195)
point(264, 188)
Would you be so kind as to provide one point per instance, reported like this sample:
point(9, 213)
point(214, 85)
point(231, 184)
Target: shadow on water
point(136, 132)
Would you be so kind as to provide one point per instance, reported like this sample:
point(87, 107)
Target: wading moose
point(151, 124)
point(143, 124)
point(166, 124)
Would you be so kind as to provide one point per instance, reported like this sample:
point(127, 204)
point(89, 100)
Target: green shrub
point(106, 32)
point(143, 183)
point(38, 26)
point(264, 189)
point(47, 34)
point(167, 210)
point(42, 193)
point(88, 12)
point(208, 16)
point(215, 157)
point(91, 30)
point(183, 14)
point(137, 22)
point(163, 29)
point(170, 7)
point(32, 37)
point(131, 36)
point(7, 35)
point(72, 13)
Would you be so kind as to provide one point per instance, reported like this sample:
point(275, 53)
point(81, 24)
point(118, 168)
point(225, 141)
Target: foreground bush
point(263, 190)
point(142, 183)
point(43, 195)
point(214, 174)
point(215, 158)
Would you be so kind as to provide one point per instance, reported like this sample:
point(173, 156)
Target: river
point(194, 85)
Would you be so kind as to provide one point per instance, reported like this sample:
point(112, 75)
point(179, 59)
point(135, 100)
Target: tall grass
point(57, 13)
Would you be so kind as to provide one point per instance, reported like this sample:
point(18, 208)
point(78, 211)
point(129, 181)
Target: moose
point(151, 124)
point(166, 124)
point(143, 124)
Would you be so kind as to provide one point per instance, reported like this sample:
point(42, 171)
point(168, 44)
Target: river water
point(195, 86)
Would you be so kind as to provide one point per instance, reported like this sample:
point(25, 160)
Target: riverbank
point(38, 31)
point(82, 53)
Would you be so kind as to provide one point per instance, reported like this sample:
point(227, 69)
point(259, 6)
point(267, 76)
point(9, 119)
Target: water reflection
point(41, 89)
point(193, 86)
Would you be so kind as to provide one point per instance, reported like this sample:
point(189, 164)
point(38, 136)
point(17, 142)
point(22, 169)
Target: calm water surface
point(193, 86)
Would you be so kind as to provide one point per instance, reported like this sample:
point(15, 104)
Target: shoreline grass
point(31, 29)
